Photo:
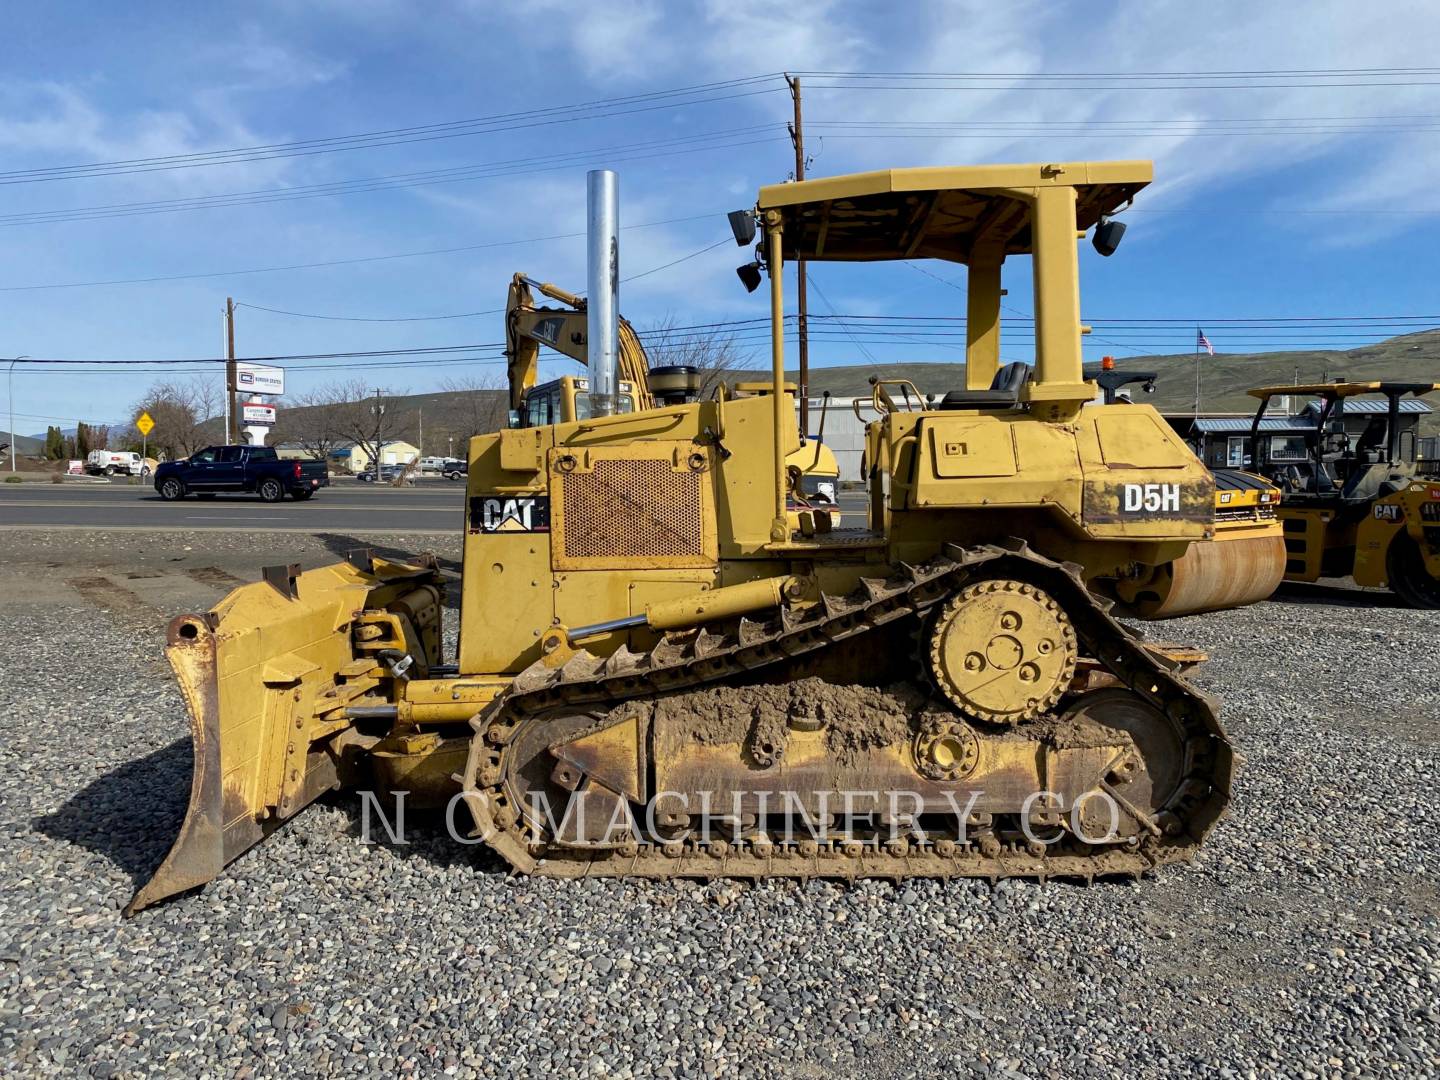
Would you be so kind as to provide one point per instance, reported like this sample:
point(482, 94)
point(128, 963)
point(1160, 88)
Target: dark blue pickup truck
point(238, 470)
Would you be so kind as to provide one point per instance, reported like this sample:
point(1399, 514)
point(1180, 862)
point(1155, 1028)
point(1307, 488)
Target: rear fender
point(268, 676)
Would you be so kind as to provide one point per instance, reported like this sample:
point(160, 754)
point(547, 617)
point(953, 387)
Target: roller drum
point(1210, 576)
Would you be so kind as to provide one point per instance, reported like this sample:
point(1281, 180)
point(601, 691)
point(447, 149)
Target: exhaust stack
point(602, 304)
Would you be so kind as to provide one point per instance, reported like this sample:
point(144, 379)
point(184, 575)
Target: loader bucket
point(268, 676)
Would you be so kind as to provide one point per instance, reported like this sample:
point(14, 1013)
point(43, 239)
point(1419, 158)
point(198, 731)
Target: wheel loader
point(653, 660)
point(813, 466)
point(1242, 563)
point(1354, 507)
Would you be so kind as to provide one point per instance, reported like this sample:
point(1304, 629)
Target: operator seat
point(1370, 449)
point(1004, 390)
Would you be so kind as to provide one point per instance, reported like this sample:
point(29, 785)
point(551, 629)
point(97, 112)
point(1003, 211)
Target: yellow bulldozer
point(1354, 507)
point(656, 673)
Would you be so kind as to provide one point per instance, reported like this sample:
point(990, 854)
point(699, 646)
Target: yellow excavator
point(813, 465)
point(657, 672)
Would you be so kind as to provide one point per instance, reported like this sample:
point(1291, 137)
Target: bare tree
point(180, 409)
point(478, 405)
point(313, 421)
point(716, 353)
point(365, 417)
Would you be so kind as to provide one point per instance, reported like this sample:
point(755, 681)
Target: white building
point(356, 459)
point(843, 432)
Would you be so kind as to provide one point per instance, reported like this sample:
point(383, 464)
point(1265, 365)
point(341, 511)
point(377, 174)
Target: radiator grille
point(633, 510)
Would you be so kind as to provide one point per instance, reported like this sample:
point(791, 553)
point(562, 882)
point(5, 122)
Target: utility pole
point(232, 427)
point(379, 410)
point(797, 136)
point(420, 439)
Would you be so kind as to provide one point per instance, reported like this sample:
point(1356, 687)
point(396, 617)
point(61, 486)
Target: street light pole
point(10, 393)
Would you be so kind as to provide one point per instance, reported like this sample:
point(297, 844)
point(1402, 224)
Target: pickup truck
point(236, 470)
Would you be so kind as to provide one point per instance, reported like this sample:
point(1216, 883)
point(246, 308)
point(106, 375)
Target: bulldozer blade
point(265, 676)
point(198, 853)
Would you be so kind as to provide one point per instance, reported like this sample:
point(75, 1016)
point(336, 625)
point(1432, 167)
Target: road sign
point(144, 425)
point(259, 379)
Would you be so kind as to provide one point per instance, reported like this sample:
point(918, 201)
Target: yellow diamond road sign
point(145, 425)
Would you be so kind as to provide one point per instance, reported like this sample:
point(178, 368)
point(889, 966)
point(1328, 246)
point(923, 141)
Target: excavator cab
point(566, 399)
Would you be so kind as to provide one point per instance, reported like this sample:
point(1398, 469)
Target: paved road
point(429, 506)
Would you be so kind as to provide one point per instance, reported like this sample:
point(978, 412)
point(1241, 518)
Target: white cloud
point(53, 124)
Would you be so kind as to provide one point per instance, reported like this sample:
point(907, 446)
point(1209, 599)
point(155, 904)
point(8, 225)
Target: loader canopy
point(978, 216)
point(939, 213)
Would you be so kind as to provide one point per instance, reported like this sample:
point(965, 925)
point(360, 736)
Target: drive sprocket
point(1002, 651)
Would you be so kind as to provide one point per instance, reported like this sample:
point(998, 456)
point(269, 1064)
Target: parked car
point(455, 469)
point(118, 463)
point(387, 473)
point(235, 470)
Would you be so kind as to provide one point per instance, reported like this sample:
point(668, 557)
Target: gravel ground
point(1303, 942)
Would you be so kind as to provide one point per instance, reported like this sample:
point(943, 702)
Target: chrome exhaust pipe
point(602, 302)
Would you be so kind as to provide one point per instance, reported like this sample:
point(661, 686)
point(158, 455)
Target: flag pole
point(1197, 372)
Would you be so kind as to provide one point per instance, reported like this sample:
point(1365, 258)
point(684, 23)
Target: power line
point(464, 314)
point(419, 350)
point(1158, 133)
point(1248, 329)
point(821, 293)
point(332, 262)
point(677, 262)
point(178, 368)
point(600, 109)
point(668, 98)
point(366, 319)
point(689, 144)
point(1235, 73)
point(1332, 78)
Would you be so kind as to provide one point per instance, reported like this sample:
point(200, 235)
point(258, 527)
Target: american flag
point(1202, 342)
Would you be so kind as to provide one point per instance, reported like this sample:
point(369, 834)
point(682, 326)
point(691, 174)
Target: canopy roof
point(1345, 389)
point(938, 213)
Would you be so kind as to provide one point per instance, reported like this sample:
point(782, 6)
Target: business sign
point(259, 379)
point(257, 414)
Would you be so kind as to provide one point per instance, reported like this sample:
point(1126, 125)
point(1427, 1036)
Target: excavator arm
point(527, 327)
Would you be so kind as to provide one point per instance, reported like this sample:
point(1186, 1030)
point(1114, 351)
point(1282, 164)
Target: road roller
point(1355, 505)
point(1242, 561)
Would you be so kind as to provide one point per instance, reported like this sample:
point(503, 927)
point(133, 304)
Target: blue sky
point(1336, 216)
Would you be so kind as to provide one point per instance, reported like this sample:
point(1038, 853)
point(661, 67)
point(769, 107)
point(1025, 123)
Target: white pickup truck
point(116, 463)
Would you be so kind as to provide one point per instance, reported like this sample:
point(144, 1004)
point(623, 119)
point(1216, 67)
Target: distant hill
point(1224, 377)
point(25, 445)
